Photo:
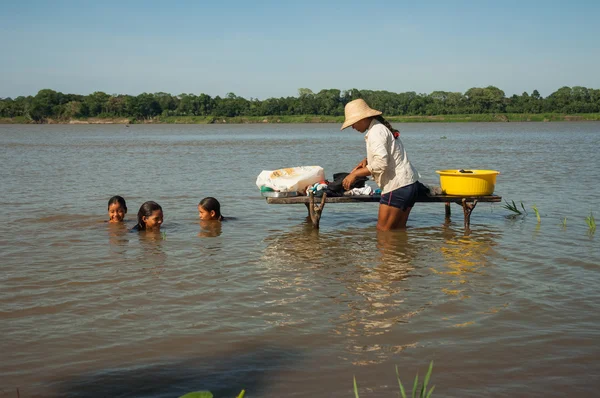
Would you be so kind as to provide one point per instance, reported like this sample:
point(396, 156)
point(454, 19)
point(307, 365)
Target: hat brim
point(350, 121)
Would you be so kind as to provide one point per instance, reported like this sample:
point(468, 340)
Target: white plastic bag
point(290, 179)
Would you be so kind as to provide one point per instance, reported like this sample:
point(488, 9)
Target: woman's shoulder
point(379, 131)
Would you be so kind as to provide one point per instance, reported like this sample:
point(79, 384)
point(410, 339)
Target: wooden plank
point(374, 198)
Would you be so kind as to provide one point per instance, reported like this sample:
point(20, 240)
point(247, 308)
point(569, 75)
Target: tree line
point(50, 104)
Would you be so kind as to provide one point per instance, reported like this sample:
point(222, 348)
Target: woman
point(386, 161)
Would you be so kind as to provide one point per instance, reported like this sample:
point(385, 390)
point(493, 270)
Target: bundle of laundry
point(335, 187)
point(366, 190)
point(290, 179)
point(317, 188)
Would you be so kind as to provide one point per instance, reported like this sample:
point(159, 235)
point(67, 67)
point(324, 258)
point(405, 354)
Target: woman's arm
point(350, 178)
point(360, 165)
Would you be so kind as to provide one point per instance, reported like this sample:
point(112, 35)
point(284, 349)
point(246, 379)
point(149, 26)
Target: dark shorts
point(403, 197)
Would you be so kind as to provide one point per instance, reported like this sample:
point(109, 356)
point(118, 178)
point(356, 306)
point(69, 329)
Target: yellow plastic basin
point(468, 182)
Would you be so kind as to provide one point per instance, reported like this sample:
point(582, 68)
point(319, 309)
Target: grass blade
point(198, 394)
point(591, 222)
point(242, 394)
point(415, 384)
point(512, 207)
point(430, 391)
point(427, 377)
point(537, 213)
point(402, 392)
point(355, 388)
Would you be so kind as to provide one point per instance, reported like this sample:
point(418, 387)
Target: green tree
point(329, 102)
point(559, 100)
point(44, 103)
point(166, 101)
point(485, 100)
point(97, 103)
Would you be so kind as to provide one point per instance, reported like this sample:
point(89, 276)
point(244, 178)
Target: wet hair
point(146, 210)
point(212, 204)
point(117, 199)
point(387, 124)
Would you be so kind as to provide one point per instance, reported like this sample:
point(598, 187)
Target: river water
point(268, 304)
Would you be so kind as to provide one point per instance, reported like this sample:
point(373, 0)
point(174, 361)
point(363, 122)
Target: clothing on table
point(335, 188)
point(317, 187)
point(359, 191)
point(338, 178)
point(387, 160)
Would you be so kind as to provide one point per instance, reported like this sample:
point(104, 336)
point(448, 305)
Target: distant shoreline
point(485, 117)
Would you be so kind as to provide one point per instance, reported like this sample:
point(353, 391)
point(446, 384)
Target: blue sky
point(263, 49)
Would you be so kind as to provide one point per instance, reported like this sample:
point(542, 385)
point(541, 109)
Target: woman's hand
point(360, 165)
point(348, 181)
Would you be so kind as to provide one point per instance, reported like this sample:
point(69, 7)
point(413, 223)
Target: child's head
point(116, 209)
point(150, 217)
point(210, 209)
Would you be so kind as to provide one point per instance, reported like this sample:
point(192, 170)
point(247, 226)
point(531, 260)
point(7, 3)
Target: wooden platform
point(315, 210)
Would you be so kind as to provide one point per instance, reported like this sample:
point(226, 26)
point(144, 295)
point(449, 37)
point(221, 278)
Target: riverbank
point(485, 117)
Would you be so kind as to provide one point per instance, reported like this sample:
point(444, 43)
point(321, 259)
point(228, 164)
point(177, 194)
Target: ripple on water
point(267, 303)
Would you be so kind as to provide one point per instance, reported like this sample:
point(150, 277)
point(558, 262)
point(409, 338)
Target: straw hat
point(357, 110)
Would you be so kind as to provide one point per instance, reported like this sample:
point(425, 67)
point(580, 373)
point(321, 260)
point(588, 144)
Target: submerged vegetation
point(512, 207)
point(416, 393)
point(518, 211)
point(206, 394)
point(537, 213)
point(487, 104)
point(591, 222)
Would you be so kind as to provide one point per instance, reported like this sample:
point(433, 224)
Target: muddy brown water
point(266, 303)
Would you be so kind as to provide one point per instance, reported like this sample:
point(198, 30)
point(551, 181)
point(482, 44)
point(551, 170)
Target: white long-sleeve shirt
point(387, 160)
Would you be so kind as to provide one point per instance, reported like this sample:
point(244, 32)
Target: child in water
point(150, 217)
point(210, 209)
point(116, 209)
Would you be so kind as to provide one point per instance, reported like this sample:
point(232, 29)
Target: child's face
point(206, 215)
point(116, 212)
point(153, 221)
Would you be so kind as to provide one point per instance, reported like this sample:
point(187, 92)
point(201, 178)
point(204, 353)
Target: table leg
point(468, 209)
point(315, 210)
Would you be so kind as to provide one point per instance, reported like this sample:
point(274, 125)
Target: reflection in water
point(369, 277)
point(363, 272)
point(463, 256)
point(118, 237)
point(302, 243)
point(210, 228)
point(289, 260)
point(379, 293)
point(152, 253)
point(343, 294)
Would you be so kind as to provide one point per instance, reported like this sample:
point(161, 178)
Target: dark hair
point(146, 210)
point(211, 204)
point(117, 199)
point(387, 124)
